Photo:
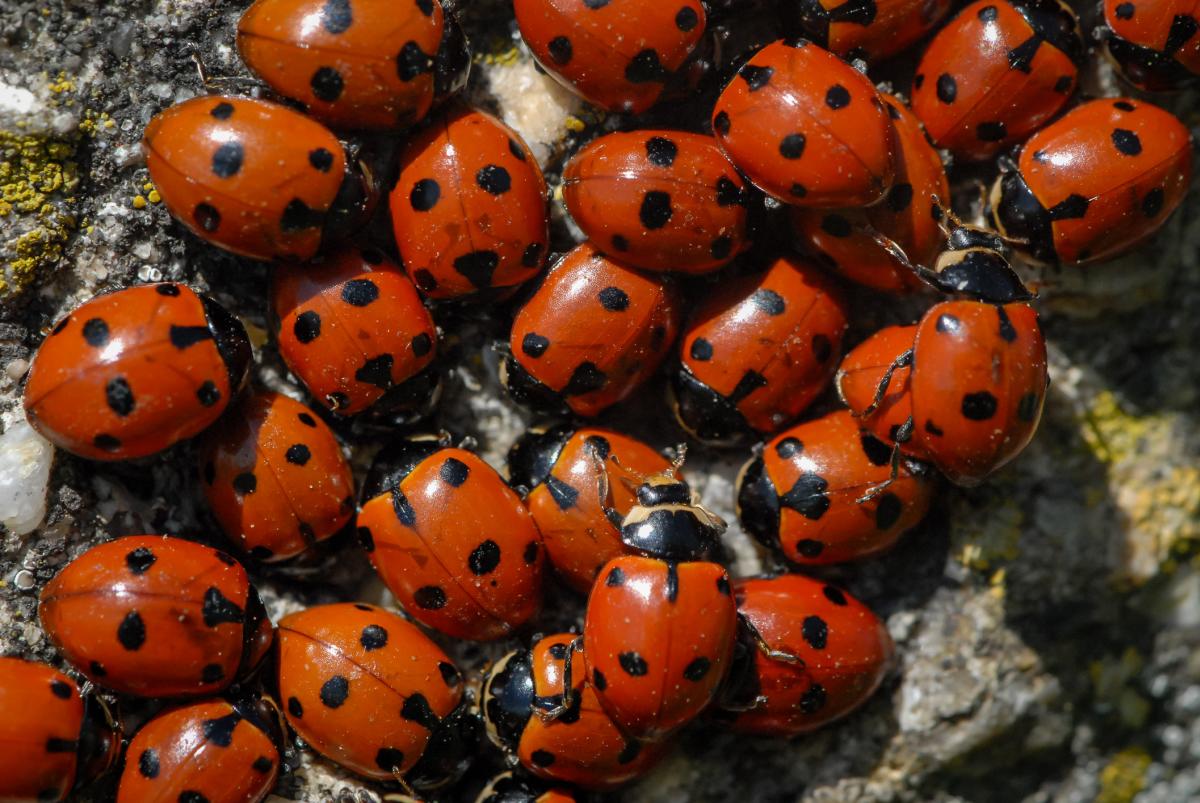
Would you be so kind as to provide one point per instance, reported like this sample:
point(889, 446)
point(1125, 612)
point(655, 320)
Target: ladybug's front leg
point(903, 435)
point(905, 360)
point(566, 700)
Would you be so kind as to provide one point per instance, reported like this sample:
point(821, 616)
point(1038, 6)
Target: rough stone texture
point(1048, 623)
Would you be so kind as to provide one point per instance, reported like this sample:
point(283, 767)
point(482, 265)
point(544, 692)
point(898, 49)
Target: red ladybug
point(978, 368)
point(661, 200)
point(860, 373)
point(659, 630)
point(451, 540)
point(807, 128)
point(368, 690)
point(1154, 42)
point(582, 745)
point(252, 177)
point(98, 388)
point(275, 477)
point(205, 751)
point(616, 54)
point(469, 208)
point(868, 29)
point(844, 651)
point(1095, 183)
point(157, 617)
point(353, 329)
point(579, 490)
point(997, 73)
point(757, 352)
point(590, 335)
point(508, 787)
point(848, 240)
point(371, 64)
point(53, 739)
point(801, 495)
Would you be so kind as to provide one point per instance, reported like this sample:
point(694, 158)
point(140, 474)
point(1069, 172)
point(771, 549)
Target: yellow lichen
point(1124, 776)
point(982, 541)
point(139, 202)
point(38, 178)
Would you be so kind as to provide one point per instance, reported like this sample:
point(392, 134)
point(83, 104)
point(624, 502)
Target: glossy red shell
point(660, 200)
point(351, 328)
point(469, 208)
point(97, 386)
point(363, 687)
point(616, 54)
point(579, 537)
point(457, 547)
point(366, 64)
point(252, 177)
point(40, 730)
point(659, 639)
point(807, 128)
point(767, 345)
point(843, 239)
point(978, 385)
point(1155, 42)
point(859, 376)
point(593, 331)
point(844, 652)
point(201, 751)
point(275, 477)
point(990, 78)
point(869, 29)
point(155, 616)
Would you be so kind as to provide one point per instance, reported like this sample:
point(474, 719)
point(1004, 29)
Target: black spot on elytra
point(183, 337)
point(262, 764)
point(336, 16)
point(815, 632)
point(615, 578)
point(947, 324)
point(359, 292)
point(788, 448)
point(377, 371)
point(991, 131)
point(222, 111)
point(837, 97)
point(813, 700)
point(192, 796)
point(97, 669)
point(430, 598)
point(1152, 202)
point(645, 67)
point(320, 159)
point(822, 348)
point(206, 217)
point(60, 689)
point(1063, 85)
point(424, 195)
point(57, 745)
point(148, 763)
point(541, 758)
point(294, 707)
point(655, 210)
point(218, 609)
point(403, 509)
point(132, 631)
point(227, 160)
point(493, 179)
point(900, 196)
point(768, 301)
point(212, 673)
point(808, 496)
point(614, 299)
point(1124, 11)
point(720, 123)
point(697, 669)
point(95, 331)
point(620, 243)
point(809, 548)
point(416, 709)
point(560, 50)
point(106, 442)
point(888, 511)
point(721, 247)
point(411, 62)
point(449, 673)
point(208, 394)
point(478, 267)
point(792, 146)
point(307, 420)
point(878, 452)
point(119, 396)
point(245, 483)
point(389, 759)
point(422, 344)
point(534, 345)
point(1126, 141)
point(836, 225)
point(298, 454)
point(484, 558)
point(686, 19)
point(1027, 407)
point(947, 88)
point(979, 406)
point(307, 326)
point(755, 76)
point(298, 216)
point(701, 350)
point(558, 651)
point(599, 680)
point(633, 664)
point(365, 539)
point(661, 151)
point(454, 472)
point(335, 691)
point(424, 280)
point(728, 193)
point(563, 494)
point(798, 190)
point(586, 378)
point(140, 560)
point(327, 84)
point(219, 731)
point(629, 752)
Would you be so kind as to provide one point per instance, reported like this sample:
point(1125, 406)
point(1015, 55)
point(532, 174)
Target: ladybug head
point(99, 739)
point(397, 460)
point(452, 748)
point(664, 489)
point(508, 698)
point(669, 523)
point(963, 237)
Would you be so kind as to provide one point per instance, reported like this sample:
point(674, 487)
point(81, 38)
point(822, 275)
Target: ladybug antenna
point(468, 442)
point(945, 213)
point(766, 649)
point(680, 458)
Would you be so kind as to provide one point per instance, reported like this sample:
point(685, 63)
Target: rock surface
point(1048, 623)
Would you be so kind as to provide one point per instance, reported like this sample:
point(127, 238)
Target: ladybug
point(254, 177)
point(616, 54)
point(582, 745)
point(661, 200)
point(353, 329)
point(107, 357)
point(54, 740)
point(451, 540)
point(848, 241)
point(370, 64)
point(867, 29)
point(800, 495)
point(758, 351)
point(857, 380)
point(371, 692)
point(578, 490)
point(807, 128)
point(660, 625)
point(844, 652)
point(978, 373)
point(210, 750)
point(592, 332)
point(508, 787)
point(1154, 42)
point(156, 617)
point(275, 477)
point(996, 74)
point(469, 207)
point(1095, 183)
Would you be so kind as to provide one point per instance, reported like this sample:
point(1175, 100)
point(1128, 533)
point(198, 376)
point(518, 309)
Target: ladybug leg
point(765, 648)
point(567, 700)
point(602, 487)
point(903, 361)
point(903, 435)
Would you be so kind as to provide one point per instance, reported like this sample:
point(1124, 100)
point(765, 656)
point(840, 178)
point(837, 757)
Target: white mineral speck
point(25, 458)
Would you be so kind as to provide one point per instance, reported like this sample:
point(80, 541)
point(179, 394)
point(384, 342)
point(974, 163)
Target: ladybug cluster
point(721, 259)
